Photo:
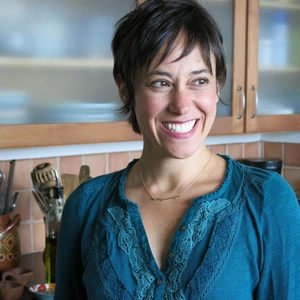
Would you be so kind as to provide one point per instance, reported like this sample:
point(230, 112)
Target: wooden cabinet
point(273, 66)
point(265, 95)
point(252, 86)
point(58, 69)
point(233, 121)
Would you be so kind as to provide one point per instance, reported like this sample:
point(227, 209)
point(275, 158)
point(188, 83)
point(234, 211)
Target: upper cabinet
point(56, 62)
point(273, 66)
point(264, 67)
point(231, 16)
point(263, 84)
point(57, 88)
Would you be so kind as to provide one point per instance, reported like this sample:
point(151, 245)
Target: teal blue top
point(241, 241)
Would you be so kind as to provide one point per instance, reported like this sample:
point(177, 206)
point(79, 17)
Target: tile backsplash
point(32, 230)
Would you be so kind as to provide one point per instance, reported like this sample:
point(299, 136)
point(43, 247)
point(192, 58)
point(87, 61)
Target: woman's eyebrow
point(157, 72)
point(167, 74)
point(196, 72)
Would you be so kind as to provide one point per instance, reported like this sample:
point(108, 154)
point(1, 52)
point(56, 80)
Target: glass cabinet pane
point(279, 61)
point(222, 11)
point(56, 62)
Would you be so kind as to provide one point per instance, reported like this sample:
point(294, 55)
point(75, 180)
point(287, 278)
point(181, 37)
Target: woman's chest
point(160, 223)
point(202, 247)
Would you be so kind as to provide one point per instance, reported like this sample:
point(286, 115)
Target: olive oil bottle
point(52, 222)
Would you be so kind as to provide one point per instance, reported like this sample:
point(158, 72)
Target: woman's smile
point(180, 127)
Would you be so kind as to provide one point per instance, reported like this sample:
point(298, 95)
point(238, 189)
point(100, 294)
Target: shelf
point(56, 63)
point(279, 70)
point(279, 4)
point(214, 2)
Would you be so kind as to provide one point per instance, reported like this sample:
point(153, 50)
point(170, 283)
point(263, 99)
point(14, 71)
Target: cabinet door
point(56, 61)
point(231, 17)
point(273, 66)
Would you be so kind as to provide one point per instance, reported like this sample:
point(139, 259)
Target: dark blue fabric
point(240, 242)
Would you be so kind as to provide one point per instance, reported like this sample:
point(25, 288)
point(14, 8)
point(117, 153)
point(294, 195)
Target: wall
point(32, 228)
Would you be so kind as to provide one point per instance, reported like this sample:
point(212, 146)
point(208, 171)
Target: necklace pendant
point(168, 198)
point(158, 199)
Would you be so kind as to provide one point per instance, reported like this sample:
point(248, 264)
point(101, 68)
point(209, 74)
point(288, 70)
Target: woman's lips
point(180, 127)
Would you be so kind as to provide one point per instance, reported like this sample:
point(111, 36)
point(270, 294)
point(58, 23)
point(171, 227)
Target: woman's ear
point(123, 93)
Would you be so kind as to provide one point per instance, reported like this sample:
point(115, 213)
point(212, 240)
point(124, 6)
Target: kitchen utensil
point(43, 176)
point(39, 201)
point(10, 180)
point(70, 182)
point(2, 178)
point(14, 201)
point(43, 196)
point(2, 192)
point(84, 173)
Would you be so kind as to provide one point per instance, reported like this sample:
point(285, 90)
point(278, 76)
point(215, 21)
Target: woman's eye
point(159, 83)
point(200, 81)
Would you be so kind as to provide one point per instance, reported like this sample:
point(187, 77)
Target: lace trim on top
point(129, 243)
point(193, 234)
point(218, 250)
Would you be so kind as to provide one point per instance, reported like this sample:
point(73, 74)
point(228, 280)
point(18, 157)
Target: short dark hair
point(141, 34)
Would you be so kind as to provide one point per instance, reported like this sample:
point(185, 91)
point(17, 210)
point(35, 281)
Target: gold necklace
point(177, 194)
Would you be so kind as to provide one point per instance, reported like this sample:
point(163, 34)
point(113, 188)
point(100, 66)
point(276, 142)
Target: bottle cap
point(58, 192)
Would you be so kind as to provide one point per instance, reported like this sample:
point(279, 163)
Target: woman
point(180, 222)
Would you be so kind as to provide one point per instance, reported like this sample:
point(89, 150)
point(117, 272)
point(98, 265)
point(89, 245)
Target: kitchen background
point(56, 66)
point(32, 228)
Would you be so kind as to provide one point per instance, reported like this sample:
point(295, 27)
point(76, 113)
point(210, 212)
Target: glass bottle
point(52, 222)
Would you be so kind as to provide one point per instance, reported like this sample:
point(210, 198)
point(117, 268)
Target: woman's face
point(175, 103)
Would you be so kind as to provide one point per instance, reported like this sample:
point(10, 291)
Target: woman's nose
point(179, 102)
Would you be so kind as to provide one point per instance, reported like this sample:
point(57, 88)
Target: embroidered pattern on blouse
point(194, 233)
point(128, 241)
point(106, 278)
point(217, 253)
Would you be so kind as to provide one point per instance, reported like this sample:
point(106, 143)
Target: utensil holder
point(10, 249)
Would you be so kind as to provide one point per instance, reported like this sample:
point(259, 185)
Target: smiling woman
point(175, 100)
point(181, 221)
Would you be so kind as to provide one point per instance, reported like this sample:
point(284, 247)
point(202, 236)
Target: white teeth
point(180, 128)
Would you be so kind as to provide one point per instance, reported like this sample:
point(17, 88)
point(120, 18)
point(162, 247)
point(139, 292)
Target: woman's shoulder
point(92, 192)
point(264, 186)
point(254, 175)
point(88, 195)
point(93, 185)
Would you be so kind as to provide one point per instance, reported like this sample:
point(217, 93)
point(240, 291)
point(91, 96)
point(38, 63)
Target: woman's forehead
point(177, 53)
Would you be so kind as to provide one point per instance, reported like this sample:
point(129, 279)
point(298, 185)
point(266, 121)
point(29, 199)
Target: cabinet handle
point(240, 115)
point(254, 102)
